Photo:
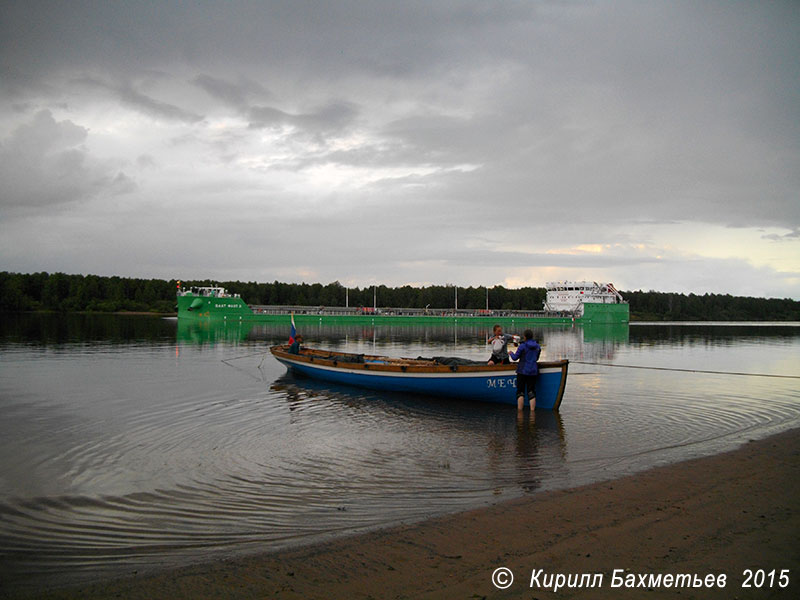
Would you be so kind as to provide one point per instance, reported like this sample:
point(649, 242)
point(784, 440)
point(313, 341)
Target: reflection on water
point(590, 342)
point(135, 442)
point(56, 330)
point(212, 332)
point(448, 429)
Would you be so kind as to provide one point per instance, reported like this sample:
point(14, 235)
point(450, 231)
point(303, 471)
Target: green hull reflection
point(208, 331)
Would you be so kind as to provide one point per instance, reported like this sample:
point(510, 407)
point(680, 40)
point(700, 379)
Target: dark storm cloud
point(321, 38)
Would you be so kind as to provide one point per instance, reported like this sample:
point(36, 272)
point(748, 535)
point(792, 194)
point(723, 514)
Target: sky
point(652, 144)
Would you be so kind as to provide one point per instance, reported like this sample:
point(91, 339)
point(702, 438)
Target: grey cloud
point(45, 135)
point(237, 95)
point(141, 102)
point(792, 236)
point(296, 36)
point(332, 117)
point(156, 108)
point(527, 259)
point(267, 116)
point(145, 161)
point(20, 84)
point(435, 142)
point(45, 164)
point(120, 184)
point(439, 138)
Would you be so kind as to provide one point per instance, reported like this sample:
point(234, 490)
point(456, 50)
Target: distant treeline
point(74, 293)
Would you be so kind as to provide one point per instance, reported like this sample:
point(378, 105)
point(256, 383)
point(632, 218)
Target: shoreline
point(634, 320)
point(717, 515)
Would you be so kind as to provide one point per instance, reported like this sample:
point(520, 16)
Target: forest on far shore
point(59, 292)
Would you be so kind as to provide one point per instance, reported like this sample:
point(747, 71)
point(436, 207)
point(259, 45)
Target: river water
point(130, 443)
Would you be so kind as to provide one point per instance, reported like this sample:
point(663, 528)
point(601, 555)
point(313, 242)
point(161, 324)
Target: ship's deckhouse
point(570, 296)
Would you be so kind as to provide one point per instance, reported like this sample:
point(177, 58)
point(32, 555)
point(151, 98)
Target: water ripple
point(117, 457)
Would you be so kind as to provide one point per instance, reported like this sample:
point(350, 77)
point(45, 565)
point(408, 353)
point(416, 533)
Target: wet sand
point(718, 515)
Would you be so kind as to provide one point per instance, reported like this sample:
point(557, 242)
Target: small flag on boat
point(293, 332)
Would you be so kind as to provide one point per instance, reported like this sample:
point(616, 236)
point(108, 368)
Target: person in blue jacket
point(527, 368)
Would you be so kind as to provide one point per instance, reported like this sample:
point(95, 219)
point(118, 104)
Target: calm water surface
point(131, 443)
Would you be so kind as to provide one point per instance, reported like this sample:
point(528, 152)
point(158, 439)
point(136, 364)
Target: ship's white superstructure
point(210, 292)
point(569, 296)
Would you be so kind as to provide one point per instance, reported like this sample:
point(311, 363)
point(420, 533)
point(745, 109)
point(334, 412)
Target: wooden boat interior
point(350, 360)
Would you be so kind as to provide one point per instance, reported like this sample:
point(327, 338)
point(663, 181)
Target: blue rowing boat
point(431, 376)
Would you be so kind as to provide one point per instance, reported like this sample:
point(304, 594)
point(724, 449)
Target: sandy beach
point(714, 516)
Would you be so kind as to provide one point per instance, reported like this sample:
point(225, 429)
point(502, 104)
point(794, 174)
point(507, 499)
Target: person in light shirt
point(499, 342)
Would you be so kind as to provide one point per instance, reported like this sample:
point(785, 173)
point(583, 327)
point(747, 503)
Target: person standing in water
point(527, 369)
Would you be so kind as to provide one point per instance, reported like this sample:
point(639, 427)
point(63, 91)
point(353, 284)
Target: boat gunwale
point(327, 358)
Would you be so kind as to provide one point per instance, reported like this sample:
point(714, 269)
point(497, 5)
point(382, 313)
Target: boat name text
point(501, 382)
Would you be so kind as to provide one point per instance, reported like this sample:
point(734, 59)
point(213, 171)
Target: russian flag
point(293, 332)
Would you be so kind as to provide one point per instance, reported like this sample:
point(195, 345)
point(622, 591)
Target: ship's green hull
point(598, 314)
point(235, 309)
point(211, 307)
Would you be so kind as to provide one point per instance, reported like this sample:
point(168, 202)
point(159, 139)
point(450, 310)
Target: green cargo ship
point(567, 302)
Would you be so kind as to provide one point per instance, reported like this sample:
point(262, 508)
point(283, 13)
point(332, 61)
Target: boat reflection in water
point(446, 447)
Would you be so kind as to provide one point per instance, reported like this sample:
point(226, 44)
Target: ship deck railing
point(408, 312)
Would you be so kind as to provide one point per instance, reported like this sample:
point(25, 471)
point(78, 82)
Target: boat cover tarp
point(347, 358)
point(453, 360)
